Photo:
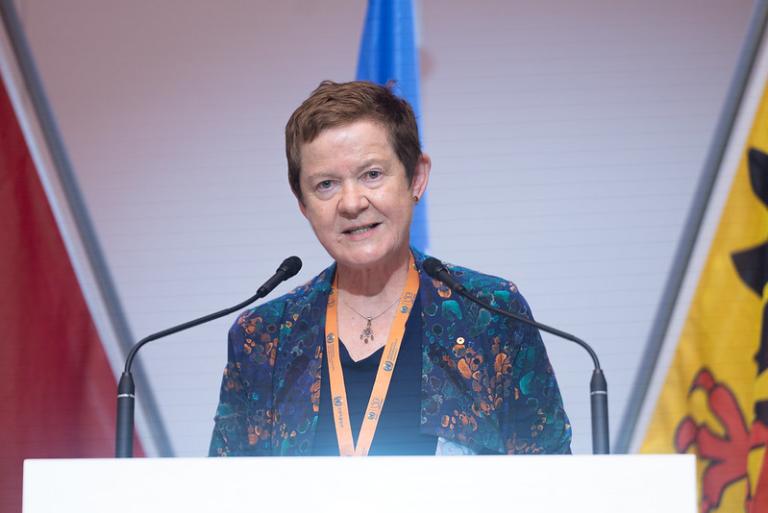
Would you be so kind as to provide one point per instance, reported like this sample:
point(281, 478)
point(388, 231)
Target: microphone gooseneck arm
point(126, 387)
point(598, 387)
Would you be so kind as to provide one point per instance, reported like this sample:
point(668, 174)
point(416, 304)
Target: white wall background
point(567, 141)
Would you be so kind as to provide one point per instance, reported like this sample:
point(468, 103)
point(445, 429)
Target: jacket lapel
point(456, 400)
point(296, 381)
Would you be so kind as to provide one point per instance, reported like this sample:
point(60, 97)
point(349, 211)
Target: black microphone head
point(433, 267)
point(290, 266)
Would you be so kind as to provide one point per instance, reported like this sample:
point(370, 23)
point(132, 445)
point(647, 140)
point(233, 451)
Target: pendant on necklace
point(367, 333)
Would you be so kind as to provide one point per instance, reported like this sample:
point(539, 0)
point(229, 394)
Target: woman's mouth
point(361, 230)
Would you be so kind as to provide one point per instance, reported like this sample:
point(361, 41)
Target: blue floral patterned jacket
point(486, 382)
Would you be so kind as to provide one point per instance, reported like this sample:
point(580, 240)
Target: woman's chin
point(365, 257)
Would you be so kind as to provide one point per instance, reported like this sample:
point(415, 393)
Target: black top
point(398, 429)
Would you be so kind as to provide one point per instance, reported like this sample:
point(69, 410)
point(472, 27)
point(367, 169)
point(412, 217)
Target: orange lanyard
point(383, 376)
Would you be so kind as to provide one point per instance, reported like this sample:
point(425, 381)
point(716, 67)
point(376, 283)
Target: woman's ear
point(421, 175)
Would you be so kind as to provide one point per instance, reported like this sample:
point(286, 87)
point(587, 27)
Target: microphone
point(288, 269)
point(598, 387)
point(437, 270)
point(125, 389)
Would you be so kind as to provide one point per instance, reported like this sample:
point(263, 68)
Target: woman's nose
point(352, 201)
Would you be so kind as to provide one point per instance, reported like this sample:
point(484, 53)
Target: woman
point(372, 356)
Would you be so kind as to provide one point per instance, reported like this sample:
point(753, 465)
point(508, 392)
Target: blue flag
point(388, 52)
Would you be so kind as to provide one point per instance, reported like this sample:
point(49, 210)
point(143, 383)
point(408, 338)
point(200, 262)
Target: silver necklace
point(367, 334)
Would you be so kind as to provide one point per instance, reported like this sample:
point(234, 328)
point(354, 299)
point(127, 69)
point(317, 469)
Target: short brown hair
point(333, 104)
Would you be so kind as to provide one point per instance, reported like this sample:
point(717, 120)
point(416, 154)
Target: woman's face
point(356, 194)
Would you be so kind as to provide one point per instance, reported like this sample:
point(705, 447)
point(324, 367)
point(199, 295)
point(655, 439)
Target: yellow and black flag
point(714, 398)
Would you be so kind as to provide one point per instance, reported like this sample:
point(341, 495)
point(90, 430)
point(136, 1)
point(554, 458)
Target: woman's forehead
point(359, 142)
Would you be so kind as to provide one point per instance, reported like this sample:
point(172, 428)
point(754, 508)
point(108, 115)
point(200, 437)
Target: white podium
point(463, 484)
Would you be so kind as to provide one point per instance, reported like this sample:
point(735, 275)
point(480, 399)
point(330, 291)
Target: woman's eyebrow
point(322, 175)
point(369, 162)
